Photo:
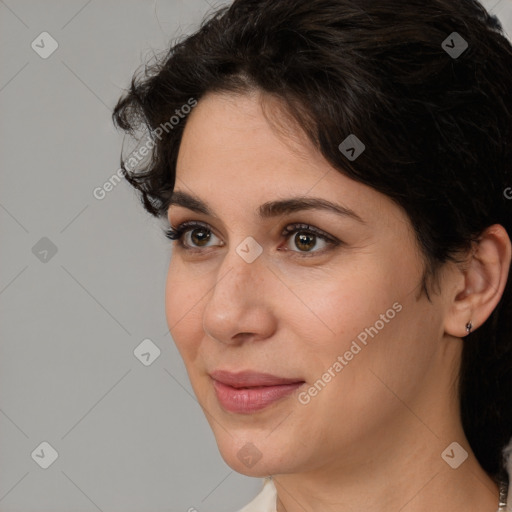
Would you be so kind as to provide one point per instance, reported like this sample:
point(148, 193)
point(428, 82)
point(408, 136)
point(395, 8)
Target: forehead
point(236, 130)
point(233, 152)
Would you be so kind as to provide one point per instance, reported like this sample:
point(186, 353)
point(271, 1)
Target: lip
point(247, 392)
point(249, 379)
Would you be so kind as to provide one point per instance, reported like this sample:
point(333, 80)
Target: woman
point(336, 175)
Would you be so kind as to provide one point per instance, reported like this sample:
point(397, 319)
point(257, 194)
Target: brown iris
point(305, 240)
point(204, 236)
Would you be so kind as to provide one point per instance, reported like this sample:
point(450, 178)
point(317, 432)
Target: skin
point(373, 437)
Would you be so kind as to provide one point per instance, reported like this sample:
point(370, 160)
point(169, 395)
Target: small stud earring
point(469, 326)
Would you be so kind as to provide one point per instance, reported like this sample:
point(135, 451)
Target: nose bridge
point(239, 273)
point(237, 301)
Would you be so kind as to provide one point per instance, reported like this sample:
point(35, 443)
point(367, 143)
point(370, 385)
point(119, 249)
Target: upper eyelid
point(191, 224)
point(300, 226)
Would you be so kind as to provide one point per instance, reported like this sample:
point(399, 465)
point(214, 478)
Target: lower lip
point(251, 399)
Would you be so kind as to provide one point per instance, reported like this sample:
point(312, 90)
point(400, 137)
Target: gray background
point(129, 437)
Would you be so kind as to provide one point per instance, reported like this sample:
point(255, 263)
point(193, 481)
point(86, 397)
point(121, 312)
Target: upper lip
point(250, 378)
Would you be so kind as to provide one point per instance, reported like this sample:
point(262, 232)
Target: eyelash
point(288, 231)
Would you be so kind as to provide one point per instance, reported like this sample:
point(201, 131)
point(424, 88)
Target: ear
point(480, 282)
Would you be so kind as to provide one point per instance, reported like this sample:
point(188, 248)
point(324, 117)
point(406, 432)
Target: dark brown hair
point(437, 129)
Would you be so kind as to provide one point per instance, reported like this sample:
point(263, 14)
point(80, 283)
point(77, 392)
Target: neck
point(421, 485)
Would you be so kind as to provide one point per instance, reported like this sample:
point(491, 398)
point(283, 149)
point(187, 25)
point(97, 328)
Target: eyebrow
point(269, 209)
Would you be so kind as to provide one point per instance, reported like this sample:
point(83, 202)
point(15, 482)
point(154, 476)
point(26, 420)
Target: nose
point(239, 307)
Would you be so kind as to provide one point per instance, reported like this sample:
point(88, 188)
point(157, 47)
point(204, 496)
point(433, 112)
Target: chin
point(255, 455)
point(260, 469)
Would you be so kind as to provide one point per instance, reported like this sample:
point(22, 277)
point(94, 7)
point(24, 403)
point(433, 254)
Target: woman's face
point(346, 320)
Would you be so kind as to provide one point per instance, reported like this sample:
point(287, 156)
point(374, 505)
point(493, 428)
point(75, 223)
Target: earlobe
point(484, 275)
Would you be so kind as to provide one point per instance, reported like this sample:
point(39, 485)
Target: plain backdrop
point(82, 279)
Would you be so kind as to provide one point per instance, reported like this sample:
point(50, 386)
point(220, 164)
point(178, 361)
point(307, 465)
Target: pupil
point(302, 239)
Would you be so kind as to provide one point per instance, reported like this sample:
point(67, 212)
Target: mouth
point(248, 392)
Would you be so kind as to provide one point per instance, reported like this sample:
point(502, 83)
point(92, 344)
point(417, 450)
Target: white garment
point(266, 500)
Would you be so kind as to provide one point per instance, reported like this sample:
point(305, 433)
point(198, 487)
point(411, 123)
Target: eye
point(194, 235)
point(191, 235)
point(306, 238)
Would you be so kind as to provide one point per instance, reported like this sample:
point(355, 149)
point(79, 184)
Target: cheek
point(183, 307)
point(337, 306)
point(174, 288)
point(365, 312)
point(383, 334)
